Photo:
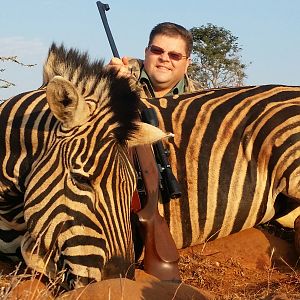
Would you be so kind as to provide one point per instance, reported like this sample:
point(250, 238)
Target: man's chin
point(163, 80)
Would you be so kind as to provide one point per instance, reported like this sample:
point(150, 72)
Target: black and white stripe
point(235, 151)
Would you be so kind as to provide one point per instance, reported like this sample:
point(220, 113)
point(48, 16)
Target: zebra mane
point(102, 85)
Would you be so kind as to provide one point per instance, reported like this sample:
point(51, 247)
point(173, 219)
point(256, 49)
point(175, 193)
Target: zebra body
point(236, 155)
point(66, 181)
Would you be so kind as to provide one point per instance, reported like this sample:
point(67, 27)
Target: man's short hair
point(173, 30)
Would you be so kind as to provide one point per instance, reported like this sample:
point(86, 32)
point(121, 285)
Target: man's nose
point(164, 56)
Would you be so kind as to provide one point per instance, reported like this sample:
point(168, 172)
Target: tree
point(216, 61)
point(4, 83)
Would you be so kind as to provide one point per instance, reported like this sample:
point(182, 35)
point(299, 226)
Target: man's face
point(163, 71)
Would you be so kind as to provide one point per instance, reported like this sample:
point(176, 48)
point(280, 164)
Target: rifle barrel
point(102, 8)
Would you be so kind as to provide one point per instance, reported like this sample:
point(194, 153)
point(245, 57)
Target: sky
point(268, 32)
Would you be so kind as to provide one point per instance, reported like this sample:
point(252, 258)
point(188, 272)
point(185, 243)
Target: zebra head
point(79, 191)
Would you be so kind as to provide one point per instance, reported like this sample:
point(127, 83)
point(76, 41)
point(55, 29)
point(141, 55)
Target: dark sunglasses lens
point(159, 51)
point(175, 56)
point(156, 50)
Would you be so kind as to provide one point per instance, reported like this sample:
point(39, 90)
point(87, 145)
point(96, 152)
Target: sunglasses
point(172, 54)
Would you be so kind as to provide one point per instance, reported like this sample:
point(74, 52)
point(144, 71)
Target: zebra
point(66, 181)
point(236, 155)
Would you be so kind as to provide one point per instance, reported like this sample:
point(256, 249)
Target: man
point(164, 69)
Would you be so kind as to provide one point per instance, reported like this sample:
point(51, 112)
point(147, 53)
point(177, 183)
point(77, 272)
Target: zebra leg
point(11, 234)
point(12, 227)
point(297, 234)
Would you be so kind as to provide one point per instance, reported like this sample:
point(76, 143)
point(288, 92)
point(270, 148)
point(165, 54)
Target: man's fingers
point(120, 66)
point(124, 72)
point(116, 62)
point(125, 60)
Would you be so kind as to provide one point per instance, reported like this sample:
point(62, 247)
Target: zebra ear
point(66, 103)
point(147, 134)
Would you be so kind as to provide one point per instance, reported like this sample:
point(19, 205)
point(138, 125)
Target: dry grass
point(9, 282)
point(229, 280)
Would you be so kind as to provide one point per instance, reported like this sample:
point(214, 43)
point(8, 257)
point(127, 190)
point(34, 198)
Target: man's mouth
point(162, 68)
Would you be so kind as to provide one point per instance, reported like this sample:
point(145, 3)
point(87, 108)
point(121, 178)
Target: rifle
point(161, 256)
point(170, 187)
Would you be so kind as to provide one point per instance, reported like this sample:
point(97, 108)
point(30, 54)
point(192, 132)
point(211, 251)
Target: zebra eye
point(80, 180)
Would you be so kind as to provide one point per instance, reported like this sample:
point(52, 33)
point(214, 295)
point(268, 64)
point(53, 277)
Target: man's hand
point(120, 66)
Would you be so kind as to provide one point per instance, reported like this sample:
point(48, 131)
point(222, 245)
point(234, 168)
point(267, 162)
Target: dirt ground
point(252, 264)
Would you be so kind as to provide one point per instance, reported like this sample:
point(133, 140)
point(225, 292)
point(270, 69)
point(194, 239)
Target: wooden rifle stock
point(161, 256)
